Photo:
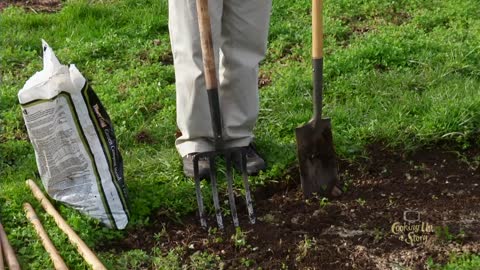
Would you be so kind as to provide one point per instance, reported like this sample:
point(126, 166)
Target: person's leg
point(193, 114)
point(244, 42)
point(244, 35)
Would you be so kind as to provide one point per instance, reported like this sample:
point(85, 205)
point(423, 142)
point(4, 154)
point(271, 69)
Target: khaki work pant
point(239, 33)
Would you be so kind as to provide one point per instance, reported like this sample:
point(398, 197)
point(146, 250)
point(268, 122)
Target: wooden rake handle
point(82, 248)
point(2, 264)
point(47, 243)
point(8, 251)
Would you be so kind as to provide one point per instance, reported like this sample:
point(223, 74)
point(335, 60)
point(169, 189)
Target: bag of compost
point(75, 147)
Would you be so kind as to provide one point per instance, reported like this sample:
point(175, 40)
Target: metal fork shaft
point(248, 196)
point(201, 211)
point(231, 197)
point(216, 201)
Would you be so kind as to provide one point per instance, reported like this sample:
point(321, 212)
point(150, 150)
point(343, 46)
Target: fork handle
point(206, 42)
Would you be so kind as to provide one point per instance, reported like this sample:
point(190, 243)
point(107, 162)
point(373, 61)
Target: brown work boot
point(203, 166)
point(255, 163)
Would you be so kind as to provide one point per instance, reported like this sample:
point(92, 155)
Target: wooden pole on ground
point(47, 243)
point(8, 251)
point(82, 248)
point(2, 265)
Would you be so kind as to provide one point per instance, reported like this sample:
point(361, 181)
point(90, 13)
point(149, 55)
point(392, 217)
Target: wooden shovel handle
point(82, 248)
point(317, 29)
point(8, 251)
point(205, 28)
point(317, 59)
point(57, 260)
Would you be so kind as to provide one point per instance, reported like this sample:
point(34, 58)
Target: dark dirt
point(437, 190)
point(33, 5)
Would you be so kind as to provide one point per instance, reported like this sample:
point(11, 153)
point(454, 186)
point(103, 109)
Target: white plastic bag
point(74, 142)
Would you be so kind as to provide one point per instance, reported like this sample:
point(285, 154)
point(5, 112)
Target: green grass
point(405, 73)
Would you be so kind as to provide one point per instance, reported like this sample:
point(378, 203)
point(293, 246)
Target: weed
point(378, 235)
point(268, 218)
point(444, 234)
point(213, 232)
point(324, 202)
point(304, 247)
point(361, 201)
point(133, 259)
point(456, 261)
point(159, 236)
point(247, 262)
point(204, 261)
point(170, 261)
point(239, 238)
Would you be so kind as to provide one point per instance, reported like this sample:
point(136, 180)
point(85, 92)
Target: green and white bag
point(74, 142)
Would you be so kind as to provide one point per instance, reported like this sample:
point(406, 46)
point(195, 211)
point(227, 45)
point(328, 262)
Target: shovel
point(316, 154)
point(216, 119)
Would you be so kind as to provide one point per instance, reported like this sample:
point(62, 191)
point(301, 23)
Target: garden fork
point(220, 149)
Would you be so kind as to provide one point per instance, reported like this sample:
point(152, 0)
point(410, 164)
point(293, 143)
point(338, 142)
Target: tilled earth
point(398, 211)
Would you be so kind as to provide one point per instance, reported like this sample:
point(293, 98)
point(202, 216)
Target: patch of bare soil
point(33, 5)
point(398, 211)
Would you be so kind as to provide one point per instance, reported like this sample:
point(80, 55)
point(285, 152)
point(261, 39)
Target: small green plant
point(247, 262)
point(239, 238)
point(465, 261)
point(391, 201)
point(213, 233)
point(324, 202)
point(444, 234)
point(304, 247)
point(377, 235)
point(159, 236)
point(268, 218)
point(133, 259)
point(361, 201)
point(170, 261)
point(204, 261)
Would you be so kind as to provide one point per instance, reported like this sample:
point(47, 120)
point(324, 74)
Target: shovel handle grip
point(317, 58)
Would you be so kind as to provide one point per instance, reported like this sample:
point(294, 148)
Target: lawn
point(404, 74)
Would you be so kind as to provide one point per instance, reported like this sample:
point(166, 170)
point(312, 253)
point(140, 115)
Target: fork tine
point(216, 203)
point(201, 211)
point(248, 196)
point(231, 197)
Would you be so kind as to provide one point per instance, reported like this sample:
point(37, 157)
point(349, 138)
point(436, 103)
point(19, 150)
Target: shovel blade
point(316, 154)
